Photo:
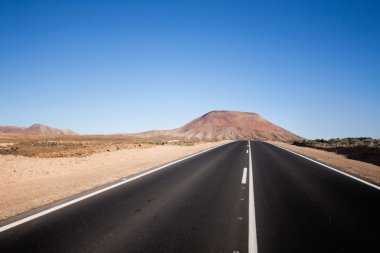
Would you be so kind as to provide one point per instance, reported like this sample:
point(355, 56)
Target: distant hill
point(12, 129)
point(226, 125)
point(36, 129)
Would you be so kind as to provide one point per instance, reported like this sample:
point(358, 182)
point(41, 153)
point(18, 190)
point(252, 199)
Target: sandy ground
point(363, 170)
point(27, 182)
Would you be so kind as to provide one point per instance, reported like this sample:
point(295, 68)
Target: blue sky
point(312, 67)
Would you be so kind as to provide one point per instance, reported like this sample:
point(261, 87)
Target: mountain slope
point(36, 129)
point(226, 125)
point(11, 129)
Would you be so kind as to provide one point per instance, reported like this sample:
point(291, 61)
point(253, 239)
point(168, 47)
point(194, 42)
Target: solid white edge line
point(252, 236)
point(329, 167)
point(244, 178)
point(50, 210)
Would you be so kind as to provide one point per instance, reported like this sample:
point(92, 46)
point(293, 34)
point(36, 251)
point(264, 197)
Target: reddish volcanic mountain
point(226, 125)
point(35, 129)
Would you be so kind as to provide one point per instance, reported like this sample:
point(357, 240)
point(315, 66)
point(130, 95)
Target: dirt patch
point(6, 144)
point(30, 182)
point(367, 171)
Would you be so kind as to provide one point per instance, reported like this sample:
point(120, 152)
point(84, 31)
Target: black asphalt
point(200, 205)
point(304, 207)
point(192, 206)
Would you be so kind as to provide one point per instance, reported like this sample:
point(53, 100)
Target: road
point(202, 204)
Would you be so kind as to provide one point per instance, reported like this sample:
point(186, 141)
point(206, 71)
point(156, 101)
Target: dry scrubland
point(49, 146)
point(38, 170)
point(363, 149)
point(364, 170)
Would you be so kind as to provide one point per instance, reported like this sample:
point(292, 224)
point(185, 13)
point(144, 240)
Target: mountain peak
point(227, 125)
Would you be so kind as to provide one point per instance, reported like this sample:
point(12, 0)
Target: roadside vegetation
point(363, 149)
point(48, 146)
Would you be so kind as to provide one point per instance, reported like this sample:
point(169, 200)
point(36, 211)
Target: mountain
point(226, 125)
point(35, 129)
point(12, 129)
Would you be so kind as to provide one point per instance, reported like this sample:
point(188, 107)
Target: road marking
point(53, 209)
point(252, 237)
point(244, 178)
point(331, 168)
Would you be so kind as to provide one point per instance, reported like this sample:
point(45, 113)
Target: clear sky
point(312, 67)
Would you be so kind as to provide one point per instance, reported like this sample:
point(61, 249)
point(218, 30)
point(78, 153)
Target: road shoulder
point(362, 170)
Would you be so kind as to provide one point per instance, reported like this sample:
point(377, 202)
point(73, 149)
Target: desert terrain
point(49, 146)
point(41, 164)
point(44, 169)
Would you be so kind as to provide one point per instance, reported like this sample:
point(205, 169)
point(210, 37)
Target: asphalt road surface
point(212, 202)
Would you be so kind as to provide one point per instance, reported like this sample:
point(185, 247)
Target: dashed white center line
point(252, 237)
point(244, 178)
